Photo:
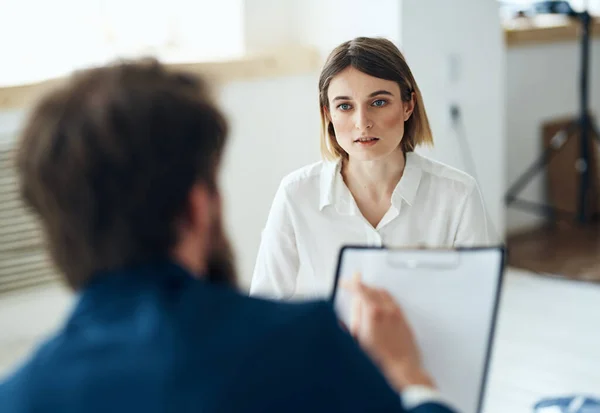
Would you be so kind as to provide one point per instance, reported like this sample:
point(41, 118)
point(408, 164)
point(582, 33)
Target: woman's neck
point(375, 180)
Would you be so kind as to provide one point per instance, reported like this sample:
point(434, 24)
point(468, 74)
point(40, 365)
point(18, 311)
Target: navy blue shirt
point(155, 339)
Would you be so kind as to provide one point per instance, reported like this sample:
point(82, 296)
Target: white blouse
point(314, 214)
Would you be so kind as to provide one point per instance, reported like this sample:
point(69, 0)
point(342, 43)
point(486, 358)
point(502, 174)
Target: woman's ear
point(409, 107)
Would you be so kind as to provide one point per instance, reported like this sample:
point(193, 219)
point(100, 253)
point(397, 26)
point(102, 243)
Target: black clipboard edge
point(491, 340)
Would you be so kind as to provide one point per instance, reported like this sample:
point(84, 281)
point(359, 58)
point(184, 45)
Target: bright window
point(42, 39)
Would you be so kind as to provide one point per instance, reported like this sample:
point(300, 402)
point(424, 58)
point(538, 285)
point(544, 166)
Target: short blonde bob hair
point(380, 58)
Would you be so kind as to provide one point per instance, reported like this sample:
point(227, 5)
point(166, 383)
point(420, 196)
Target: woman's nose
point(363, 120)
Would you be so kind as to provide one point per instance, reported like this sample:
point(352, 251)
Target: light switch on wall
point(453, 68)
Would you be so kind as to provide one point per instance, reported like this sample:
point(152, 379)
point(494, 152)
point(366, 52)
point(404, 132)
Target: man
point(121, 166)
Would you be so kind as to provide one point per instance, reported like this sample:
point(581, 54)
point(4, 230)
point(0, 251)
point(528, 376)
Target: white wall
point(275, 129)
point(319, 23)
point(468, 33)
point(268, 24)
point(542, 83)
point(327, 23)
point(9, 123)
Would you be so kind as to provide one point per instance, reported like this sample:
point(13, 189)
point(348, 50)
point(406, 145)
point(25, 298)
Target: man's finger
point(368, 294)
point(387, 300)
point(349, 284)
point(355, 315)
point(368, 299)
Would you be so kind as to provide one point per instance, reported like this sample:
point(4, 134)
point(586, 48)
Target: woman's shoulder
point(440, 171)
point(308, 177)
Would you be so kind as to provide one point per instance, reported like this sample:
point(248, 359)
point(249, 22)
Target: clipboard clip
point(430, 260)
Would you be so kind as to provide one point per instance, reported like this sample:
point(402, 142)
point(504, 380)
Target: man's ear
point(194, 229)
point(409, 106)
point(200, 208)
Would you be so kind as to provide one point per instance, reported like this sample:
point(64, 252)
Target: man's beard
point(221, 268)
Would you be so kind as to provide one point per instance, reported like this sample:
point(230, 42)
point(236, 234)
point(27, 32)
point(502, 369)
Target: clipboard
point(450, 298)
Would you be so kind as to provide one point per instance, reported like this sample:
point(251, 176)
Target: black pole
point(587, 129)
point(583, 164)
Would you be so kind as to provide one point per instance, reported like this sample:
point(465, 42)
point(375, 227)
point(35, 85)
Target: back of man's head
point(107, 162)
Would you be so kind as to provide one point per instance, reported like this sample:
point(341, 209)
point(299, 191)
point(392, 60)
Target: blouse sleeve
point(277, 264)
point(473, 226)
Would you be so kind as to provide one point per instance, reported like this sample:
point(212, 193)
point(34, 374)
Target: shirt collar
point(333, 190)
point(329, 173)
point(409, 183)
point(108, 289)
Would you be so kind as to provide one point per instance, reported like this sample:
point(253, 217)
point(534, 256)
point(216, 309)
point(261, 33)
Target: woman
point(372, 188)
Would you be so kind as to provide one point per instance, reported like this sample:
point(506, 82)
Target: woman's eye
point(344, 106)
point(379, 102)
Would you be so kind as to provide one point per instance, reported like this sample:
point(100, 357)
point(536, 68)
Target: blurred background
point(507, 86)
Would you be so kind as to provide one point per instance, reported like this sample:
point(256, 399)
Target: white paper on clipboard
point(450, 298)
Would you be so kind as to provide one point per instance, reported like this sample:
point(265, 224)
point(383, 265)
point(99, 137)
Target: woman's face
point(367, 114)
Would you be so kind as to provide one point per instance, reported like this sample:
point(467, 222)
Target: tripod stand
point(585, 126)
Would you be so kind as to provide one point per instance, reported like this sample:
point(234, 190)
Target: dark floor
point(571, 251)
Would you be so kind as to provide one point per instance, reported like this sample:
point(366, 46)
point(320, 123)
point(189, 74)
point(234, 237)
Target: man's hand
point(377, 322)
